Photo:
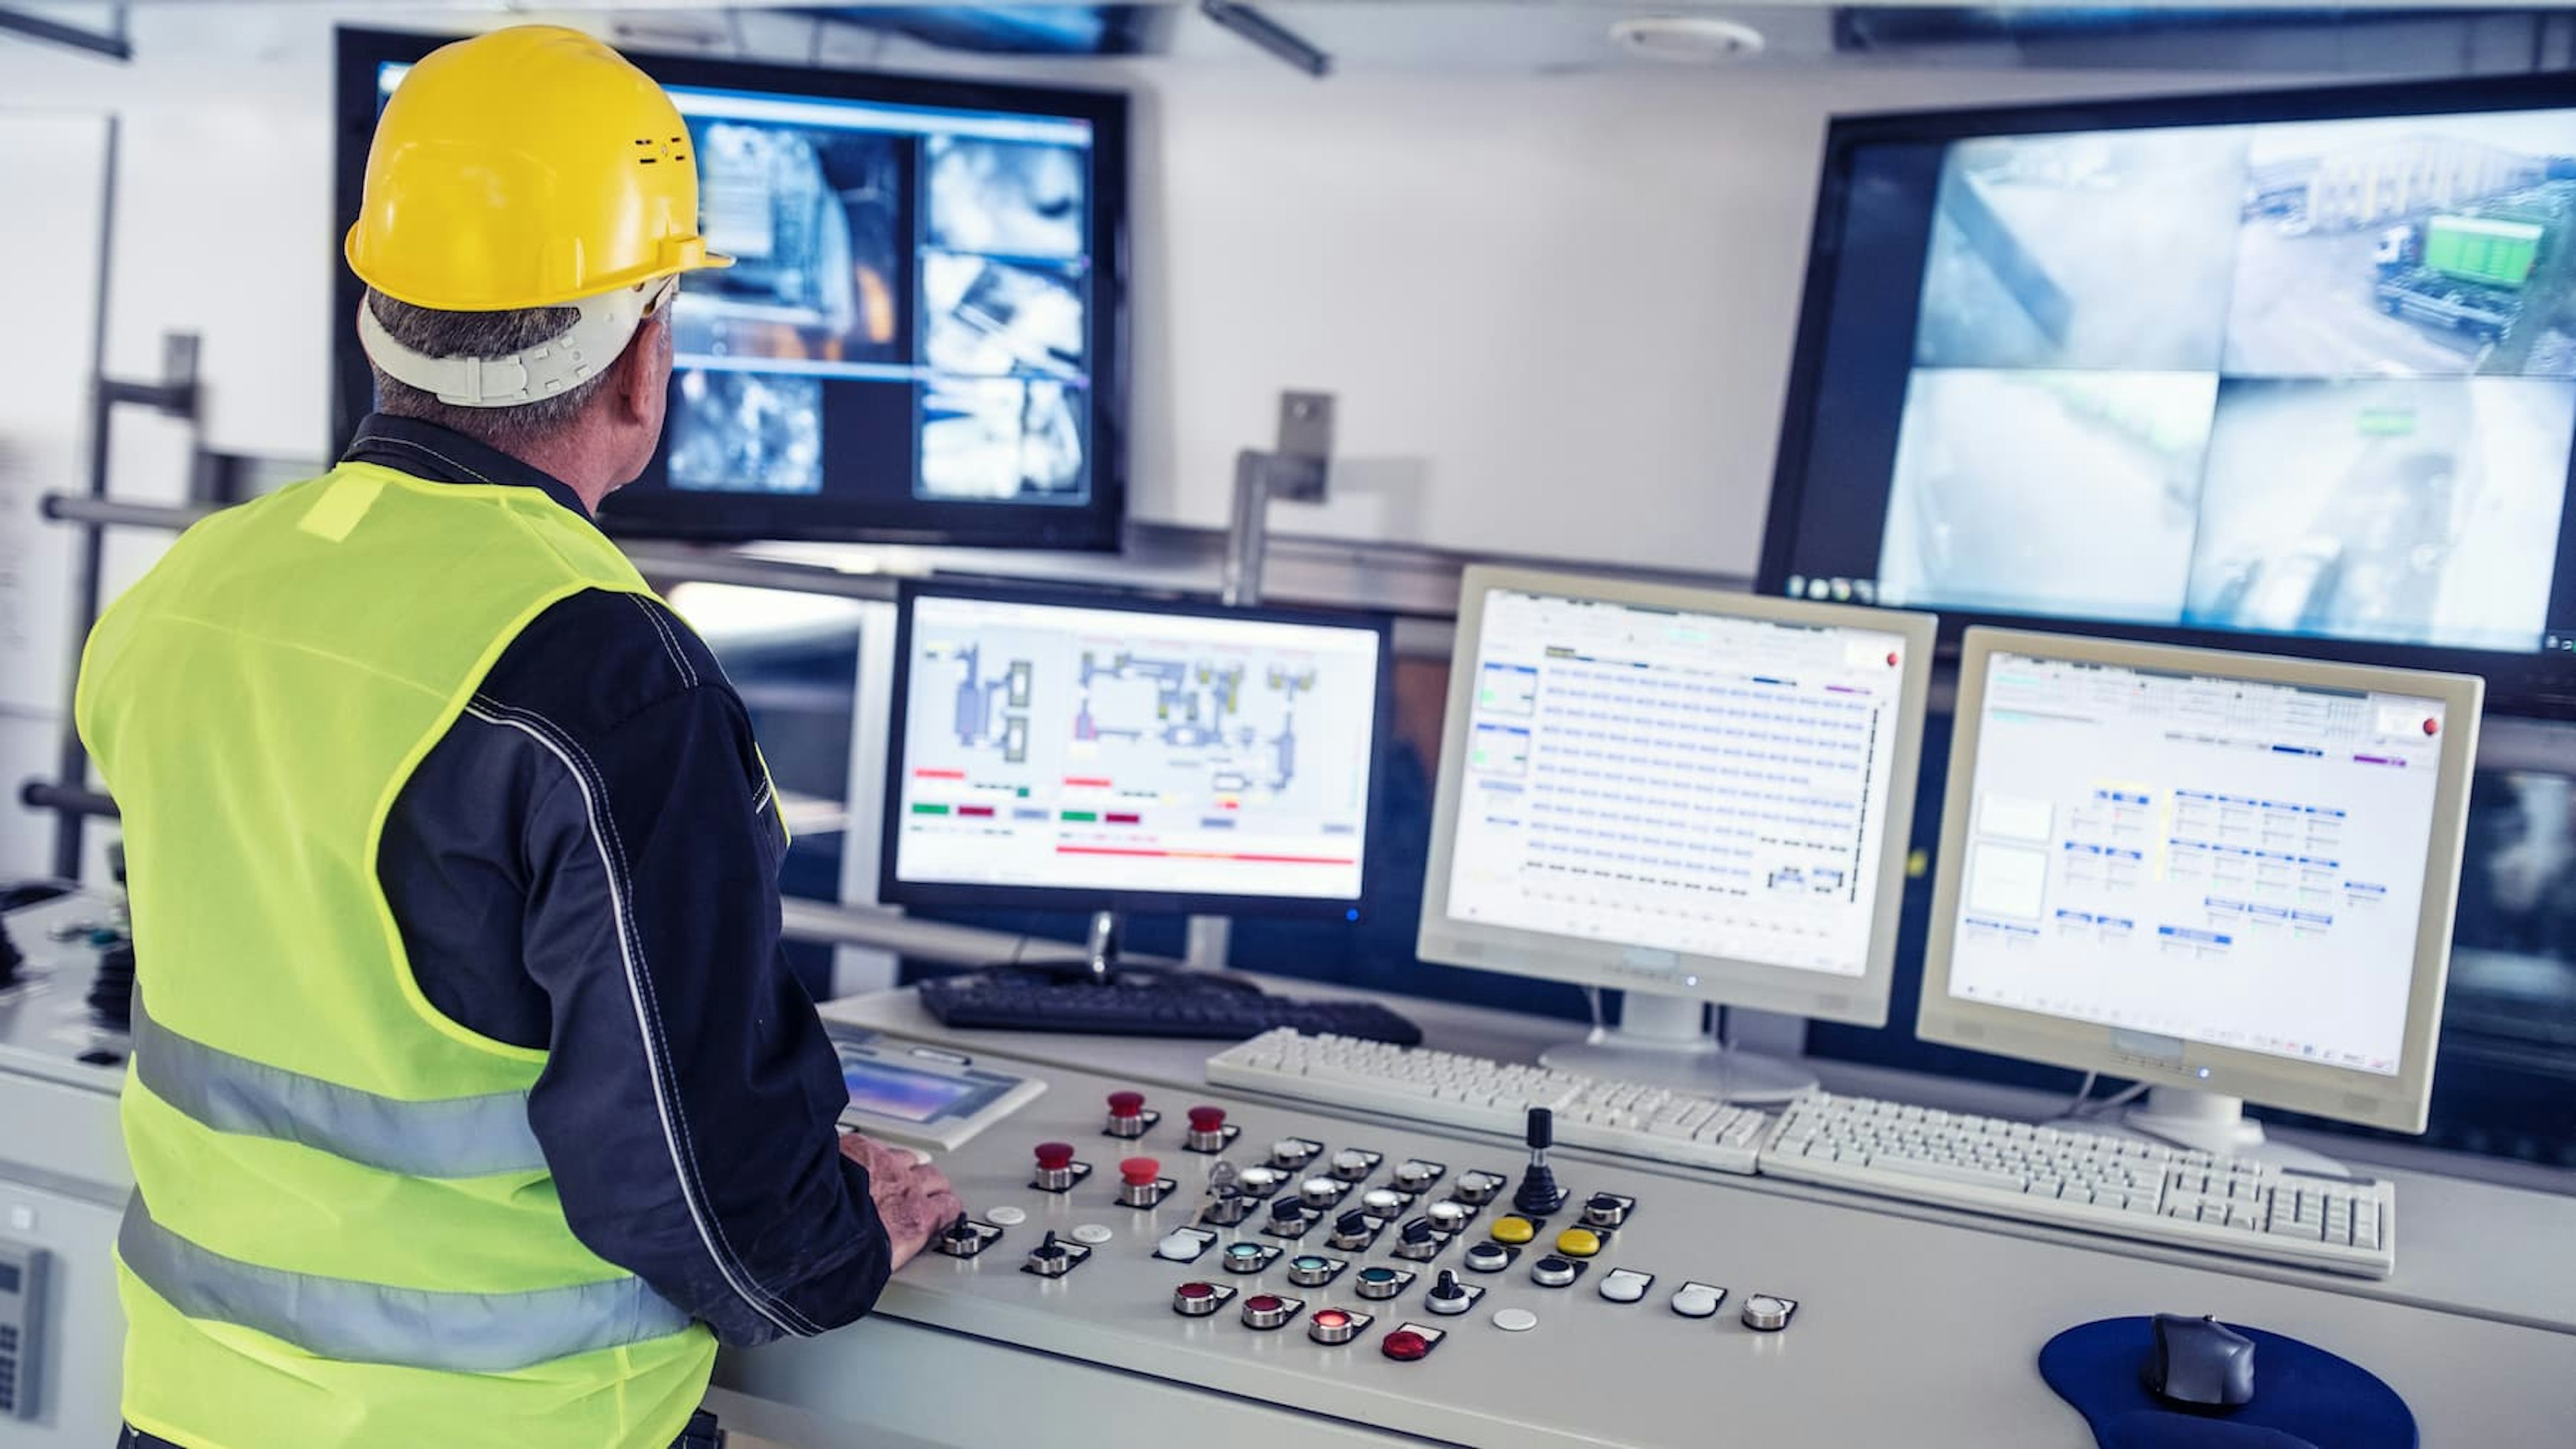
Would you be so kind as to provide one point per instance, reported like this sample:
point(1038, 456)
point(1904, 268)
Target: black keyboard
point(1172, 1008)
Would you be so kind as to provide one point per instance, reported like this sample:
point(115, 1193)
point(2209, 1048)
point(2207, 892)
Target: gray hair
point(479, 334)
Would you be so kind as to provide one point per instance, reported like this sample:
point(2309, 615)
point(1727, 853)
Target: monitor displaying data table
point(1678, 791)
point(2223, 871)
point(1096, 751)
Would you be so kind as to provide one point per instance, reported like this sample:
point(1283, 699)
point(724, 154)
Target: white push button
point(1093, 1234)
point(1006, 1217)
point(1515, 1320)
point(1182, 1247)
point(1625, 1285)
point(1697, 1300)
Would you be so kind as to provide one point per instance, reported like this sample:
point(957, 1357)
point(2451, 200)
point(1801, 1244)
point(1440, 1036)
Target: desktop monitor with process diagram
point(1699, 797)
point(1074, 749)
point(2229, 876)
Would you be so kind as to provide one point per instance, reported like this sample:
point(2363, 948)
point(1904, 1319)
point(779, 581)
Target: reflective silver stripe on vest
point(353, 1322)
point(454, 1137)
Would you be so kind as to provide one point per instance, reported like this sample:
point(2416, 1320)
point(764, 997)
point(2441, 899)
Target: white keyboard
point(2089, 1181)
point(1489, 1096)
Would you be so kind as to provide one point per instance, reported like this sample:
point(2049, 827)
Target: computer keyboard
point(1173, 1007)
point(2089, 1181)
point(1473, 1092)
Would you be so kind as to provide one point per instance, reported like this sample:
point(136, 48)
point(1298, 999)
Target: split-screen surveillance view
point(2314, 379)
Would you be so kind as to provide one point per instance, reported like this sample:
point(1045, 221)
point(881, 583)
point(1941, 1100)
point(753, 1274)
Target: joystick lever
point(1538, 1194)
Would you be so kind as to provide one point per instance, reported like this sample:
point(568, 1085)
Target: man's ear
point(643, 370)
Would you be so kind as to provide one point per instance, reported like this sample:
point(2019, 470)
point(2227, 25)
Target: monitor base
point(2212, 1122)
point(1665, 1041)
point(1702, 1067)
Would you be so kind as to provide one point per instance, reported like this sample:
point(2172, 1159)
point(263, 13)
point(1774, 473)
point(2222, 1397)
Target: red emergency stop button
point(1404, 1345)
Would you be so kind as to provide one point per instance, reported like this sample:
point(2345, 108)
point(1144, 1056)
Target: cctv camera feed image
point(910, 300)
point(911, 313)
point(2314, 379)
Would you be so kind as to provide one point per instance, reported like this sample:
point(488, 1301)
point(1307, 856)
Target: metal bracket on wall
point(1295, 470)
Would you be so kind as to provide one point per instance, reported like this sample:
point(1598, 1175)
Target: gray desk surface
point(2463, 1247)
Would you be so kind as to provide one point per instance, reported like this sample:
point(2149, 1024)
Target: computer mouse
point(2200, 1363)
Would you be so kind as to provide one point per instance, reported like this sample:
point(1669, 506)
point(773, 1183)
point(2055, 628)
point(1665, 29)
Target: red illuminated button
point(2432, 727)
point(1404, 1345)
point(1055, 1156)
point(1331, 1325)
point(1140, 1171)
point(1197, 1290)
point(1207, 1119)
point(1126, 1104)
point(1894, 659)
point(1195, 1300)
point(1263, 1302)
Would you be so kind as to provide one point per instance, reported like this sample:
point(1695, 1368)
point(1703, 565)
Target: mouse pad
point(2302, 1395)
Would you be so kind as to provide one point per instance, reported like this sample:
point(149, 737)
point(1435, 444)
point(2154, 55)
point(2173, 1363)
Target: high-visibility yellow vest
point(344, 1233)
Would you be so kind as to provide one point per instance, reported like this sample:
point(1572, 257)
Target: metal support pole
point(1295, 470)
point(174, 396)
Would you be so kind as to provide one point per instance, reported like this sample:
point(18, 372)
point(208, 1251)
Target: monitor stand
point(1664, 1041)
point(2212, 1122)
point(1099, 961)
point(1100, 965)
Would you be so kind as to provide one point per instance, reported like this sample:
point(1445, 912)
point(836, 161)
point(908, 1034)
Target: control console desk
point(1906, 1323)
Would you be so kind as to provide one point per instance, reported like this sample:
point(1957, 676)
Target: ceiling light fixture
point(1687, 39)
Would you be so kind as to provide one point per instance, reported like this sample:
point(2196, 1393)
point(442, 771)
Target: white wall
point(52, 168)
point(1557, 309)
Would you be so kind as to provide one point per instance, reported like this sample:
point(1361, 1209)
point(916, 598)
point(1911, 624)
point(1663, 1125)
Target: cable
point(2075, 1108)
point(2121, 1098)
point(1592, 998)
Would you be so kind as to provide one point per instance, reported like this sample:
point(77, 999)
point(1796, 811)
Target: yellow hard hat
point(528, 167)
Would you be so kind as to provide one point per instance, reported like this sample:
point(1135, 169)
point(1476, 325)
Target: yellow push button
point(1578, 1243)
point(1514, 1230)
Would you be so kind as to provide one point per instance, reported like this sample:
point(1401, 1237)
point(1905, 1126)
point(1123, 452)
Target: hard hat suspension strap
point(549, 369)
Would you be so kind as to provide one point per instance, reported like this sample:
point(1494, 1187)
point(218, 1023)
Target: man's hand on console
point(913, 1198)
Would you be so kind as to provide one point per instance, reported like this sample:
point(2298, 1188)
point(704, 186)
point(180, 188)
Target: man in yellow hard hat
point(471, 1102)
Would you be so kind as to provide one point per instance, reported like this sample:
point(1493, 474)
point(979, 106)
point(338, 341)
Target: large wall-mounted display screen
point(920, 337)
point(2301, 365)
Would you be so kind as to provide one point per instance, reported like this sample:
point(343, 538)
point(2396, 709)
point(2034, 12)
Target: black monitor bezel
point(1097, 525)
point(2539, 684)
point(894, 891)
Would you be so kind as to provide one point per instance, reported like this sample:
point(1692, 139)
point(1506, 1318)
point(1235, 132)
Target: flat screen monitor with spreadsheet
point(1075, 749)
point(2222, 872)
point(1683, 792)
